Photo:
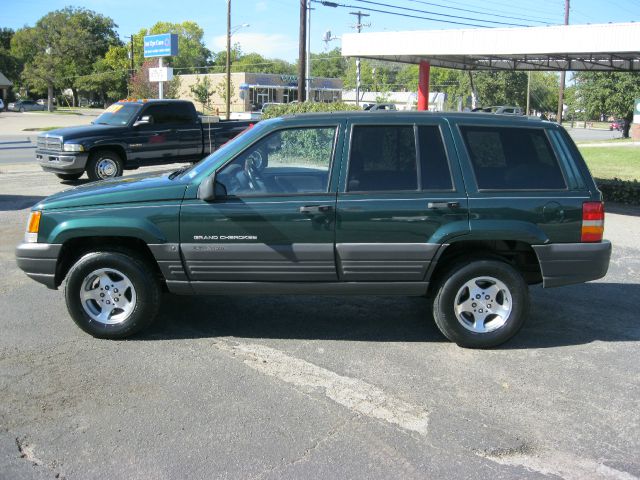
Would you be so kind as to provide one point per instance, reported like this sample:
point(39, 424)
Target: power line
point(530, 19)
point(442, 14)
point(406, 15)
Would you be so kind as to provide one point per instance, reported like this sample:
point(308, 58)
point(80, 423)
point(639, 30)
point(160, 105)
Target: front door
point(274, 219)
point(157, 141)
point(400, 198)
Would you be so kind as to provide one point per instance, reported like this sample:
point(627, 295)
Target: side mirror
point(209, 189)
point(144, 120)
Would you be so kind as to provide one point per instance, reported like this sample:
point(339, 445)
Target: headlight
point(33, 226)
point(72, 147)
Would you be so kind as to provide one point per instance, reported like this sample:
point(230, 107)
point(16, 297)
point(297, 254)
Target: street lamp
point(229, 32)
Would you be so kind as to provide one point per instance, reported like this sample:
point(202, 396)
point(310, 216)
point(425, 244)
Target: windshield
point(118, 114)
point(222, 152)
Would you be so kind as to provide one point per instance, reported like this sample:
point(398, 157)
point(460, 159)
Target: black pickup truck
point(131, 134)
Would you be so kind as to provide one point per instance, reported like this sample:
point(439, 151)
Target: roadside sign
point(636, 111)
point(162, 74)
point(162, 45)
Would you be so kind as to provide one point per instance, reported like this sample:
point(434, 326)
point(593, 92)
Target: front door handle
point(316, 209)
point(443, 204)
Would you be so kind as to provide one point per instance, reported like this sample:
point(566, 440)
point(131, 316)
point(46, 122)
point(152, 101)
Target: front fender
point(115, 226)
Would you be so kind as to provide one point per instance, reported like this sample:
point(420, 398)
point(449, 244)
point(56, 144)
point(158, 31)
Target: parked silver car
point(25, 106)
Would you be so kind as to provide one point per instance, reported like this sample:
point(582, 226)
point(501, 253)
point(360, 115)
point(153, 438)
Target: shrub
point(623, 191)
point(306, 107)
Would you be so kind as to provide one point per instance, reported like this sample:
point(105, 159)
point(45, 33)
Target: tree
point(221, 90)
point(62, 47)
point(608, 93)
point(10, 66)
point(202, 91)
point(501, 88)
point(110, 75)
point(329, 65)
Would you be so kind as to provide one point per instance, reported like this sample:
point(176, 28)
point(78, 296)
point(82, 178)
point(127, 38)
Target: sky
point(273, 24)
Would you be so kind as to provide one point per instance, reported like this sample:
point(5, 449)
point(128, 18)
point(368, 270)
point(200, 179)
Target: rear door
point(274, 218)
point(400, 197)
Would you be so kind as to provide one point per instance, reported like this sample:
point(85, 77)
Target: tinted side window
point(183, 113)
point(434, 166)
point(512, 158)
point(162, 114)
point(382, 158)
point(289, 161)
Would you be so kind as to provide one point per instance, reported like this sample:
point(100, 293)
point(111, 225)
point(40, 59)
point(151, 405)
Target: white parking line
point(356, 395)
point(561, 464)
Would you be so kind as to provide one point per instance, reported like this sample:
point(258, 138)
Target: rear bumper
point(62, 162)
point(568, 263)
point(38, 261)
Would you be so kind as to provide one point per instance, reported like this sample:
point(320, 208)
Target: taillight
point(592, 221)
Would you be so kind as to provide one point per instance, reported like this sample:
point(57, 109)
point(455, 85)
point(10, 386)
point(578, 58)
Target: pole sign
point(162, 74)
point(162, 45)
point(636, 111)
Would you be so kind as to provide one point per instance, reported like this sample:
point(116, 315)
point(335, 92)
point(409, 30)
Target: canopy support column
point(423, 85)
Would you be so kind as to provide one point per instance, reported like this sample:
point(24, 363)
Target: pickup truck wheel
point(481, 304)
point(111, 294)
point(69, 176)
point(104, 164)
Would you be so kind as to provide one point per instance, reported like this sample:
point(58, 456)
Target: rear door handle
point(443, 204)
point(316, 209)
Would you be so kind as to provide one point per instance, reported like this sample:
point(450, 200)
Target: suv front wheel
point(481, 304)
point(112, 294)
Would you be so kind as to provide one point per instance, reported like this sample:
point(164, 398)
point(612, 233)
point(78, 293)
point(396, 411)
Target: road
point(317, 387)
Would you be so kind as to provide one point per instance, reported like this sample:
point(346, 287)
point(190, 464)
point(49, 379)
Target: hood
point(128, 190)
point(85, 131)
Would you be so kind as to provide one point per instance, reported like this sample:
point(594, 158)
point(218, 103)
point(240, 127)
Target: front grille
point(50, 143)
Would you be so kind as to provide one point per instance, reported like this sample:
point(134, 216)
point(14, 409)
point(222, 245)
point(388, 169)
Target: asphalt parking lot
point(317, 387)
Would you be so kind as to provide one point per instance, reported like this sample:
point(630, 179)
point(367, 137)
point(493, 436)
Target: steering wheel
point(252, 165)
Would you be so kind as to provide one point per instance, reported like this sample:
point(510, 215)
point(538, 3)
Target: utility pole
point(358, 27)
point(228, 86)
point(563, 73)
point(528, 91)
point(302, 56)
point(308, 59)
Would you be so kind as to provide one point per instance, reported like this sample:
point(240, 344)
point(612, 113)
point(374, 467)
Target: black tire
point(469, 329)
point(104, 164)
point(21, 109)
point(69, 176)
point(112, 267)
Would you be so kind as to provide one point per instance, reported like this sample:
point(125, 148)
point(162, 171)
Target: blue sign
point(163, 45)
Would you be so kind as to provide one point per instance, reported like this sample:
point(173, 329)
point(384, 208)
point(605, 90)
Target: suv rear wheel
point(111, 294)
point(104, 164)
point(481, 304)
point(69, 176)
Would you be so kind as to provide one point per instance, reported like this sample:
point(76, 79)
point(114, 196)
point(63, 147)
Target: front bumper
point(39, 261)
point(568, 263)
point(62, 162)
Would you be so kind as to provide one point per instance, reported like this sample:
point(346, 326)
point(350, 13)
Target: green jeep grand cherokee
point(469, 209)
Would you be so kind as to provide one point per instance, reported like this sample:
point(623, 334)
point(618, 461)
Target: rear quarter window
point(511, 158)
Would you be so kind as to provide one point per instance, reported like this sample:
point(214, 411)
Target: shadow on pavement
point(574, 315)
point(621, 209)
point(17, 202)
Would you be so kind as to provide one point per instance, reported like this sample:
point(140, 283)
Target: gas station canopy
point(601, 47)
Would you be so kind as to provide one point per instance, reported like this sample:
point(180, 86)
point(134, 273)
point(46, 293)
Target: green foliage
point(306, 147)
point(617, 190)
point(202, 91)
point(62, 47)
point(306, 107)
point(110, 74)
point(609, 93)
point(330, 64)
point(221, 90)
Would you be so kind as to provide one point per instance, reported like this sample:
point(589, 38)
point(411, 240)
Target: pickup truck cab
point(468, 209)
point(131, 134)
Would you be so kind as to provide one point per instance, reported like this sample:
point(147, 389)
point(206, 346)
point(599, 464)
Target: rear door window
point(509, 158)
point(382, 158)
